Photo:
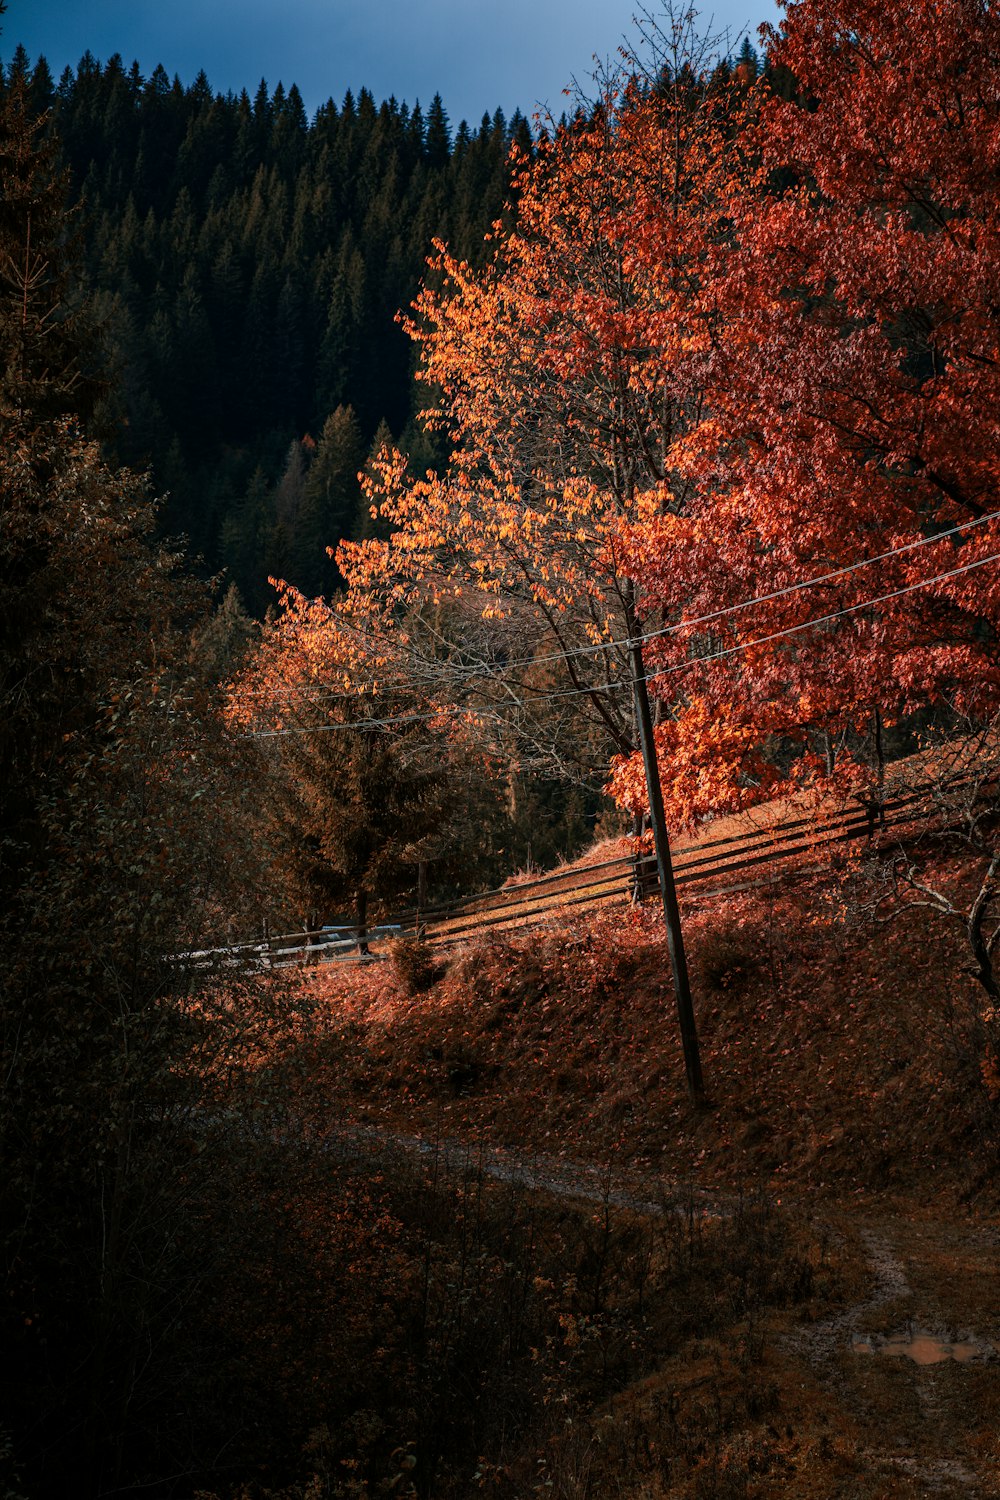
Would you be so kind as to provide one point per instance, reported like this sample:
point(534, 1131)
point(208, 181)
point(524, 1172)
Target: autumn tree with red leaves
point(852, 412)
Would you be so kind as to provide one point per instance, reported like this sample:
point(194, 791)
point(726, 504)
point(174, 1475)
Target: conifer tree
point(42, 343)
point(361, 808)
point(221, 644)
point(286, 548)
point(242, 544)
point(366, 525)
point(437, 136)
point(332, 486)
point(116, 787)
point(253, 264)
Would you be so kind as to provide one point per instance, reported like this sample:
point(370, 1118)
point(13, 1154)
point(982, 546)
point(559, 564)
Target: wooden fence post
point(421, 897)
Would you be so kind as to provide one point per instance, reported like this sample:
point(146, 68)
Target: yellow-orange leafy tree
point(568, 377)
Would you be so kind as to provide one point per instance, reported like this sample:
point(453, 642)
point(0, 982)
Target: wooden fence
point(711, 869)
point(706, 871)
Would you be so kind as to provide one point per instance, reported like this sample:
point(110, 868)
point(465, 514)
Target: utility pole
point(665, 872)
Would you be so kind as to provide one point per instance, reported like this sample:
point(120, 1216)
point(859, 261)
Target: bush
point(415, 966)
point(726, 958)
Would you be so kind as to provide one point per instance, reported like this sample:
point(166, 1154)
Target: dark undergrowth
point(416, 1327)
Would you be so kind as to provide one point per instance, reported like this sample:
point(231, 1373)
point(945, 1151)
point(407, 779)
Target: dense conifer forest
point(246, 265)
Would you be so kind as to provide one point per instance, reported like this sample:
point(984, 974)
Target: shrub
point(415, 966)
point(726, 958)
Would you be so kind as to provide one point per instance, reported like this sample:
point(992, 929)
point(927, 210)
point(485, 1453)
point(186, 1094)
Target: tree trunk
point(981, 947)
point(829, 753)
point(879, 764)
point(421, 896)
point(361, 919)
point(983, 971)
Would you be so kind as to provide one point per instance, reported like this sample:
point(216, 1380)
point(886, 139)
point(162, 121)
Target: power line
point(686, 666)
point(777, 635)
point(837, 614)
point(360, 726)
point(576, 652)
point(808, 583)
point(782, 593)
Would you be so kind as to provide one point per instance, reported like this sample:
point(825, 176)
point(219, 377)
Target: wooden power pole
point(665, 872)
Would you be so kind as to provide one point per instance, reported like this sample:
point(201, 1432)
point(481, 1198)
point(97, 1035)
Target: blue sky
point(477, 53)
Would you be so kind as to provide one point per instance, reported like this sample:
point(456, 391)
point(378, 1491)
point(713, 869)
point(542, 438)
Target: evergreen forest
point(245, 267)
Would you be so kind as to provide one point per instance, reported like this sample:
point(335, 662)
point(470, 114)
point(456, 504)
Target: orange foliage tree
point(568, 376)
point(732, 345)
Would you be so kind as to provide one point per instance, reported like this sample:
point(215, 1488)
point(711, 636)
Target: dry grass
point(833, 1057)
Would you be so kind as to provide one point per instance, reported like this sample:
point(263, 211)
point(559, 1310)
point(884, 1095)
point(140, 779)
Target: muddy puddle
point(922, 1348)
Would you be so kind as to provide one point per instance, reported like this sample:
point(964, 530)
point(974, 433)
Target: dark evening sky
point(477, 53)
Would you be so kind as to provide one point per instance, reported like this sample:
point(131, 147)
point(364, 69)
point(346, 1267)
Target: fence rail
point(705, 871)
point(696, 871)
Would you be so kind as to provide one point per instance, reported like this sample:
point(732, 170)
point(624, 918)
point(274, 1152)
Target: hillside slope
point(834, 1203)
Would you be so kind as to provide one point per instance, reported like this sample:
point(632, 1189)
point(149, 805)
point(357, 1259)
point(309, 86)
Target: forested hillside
point(248, 265)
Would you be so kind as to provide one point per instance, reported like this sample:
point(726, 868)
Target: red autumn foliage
point(852, 408)
point(734, 344)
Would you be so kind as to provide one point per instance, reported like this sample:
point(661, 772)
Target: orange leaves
point(710, 763)
point(568, 376)
point(731, 345)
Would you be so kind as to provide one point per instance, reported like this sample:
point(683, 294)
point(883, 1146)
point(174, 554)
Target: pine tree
point(437, 137)
point(366, 525)
point(332, 489)
point(221, 644)
point(43, 345)
point(243, 543)
point(341, 346)
point(112, 769)
point(255, 263)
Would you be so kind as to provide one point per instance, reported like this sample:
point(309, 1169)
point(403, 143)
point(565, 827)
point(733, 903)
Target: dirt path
point(917, 1428)
point(882, 1426)
point(562, 1176)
